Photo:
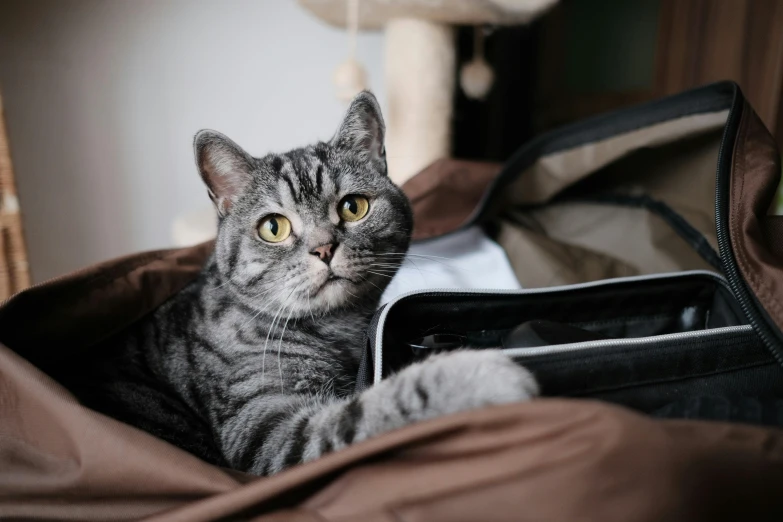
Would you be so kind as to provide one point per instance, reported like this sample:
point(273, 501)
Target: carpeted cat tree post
point(420, 65)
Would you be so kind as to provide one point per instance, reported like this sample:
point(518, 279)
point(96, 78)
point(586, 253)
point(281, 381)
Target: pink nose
point(324, 252)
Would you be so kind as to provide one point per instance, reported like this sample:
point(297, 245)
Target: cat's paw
point(466, 380)
point(441, 385)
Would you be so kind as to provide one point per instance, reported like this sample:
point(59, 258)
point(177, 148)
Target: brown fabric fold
point(446, 193)
point(61, 461)
point(80, 309)
point(756, 237)
point(545, 460)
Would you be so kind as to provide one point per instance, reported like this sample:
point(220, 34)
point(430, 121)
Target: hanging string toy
point(476, 76)
point(350, 77)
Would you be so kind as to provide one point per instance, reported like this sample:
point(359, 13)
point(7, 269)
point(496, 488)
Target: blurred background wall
point(102, 100)
point(102, 97)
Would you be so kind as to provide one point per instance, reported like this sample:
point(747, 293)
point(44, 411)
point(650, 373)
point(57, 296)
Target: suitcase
point(649, 230)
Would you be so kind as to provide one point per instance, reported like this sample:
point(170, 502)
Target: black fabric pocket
point(669, 338)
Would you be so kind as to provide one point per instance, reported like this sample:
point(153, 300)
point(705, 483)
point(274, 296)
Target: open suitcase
point(618, 225)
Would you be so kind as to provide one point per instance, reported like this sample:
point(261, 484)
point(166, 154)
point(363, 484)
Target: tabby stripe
point(268, 386)
point(401, 406)
point(242, 375)
point(298, 440)
point(237, 403)
point(198, 308)
point(318, 180)
point(424, 397)
point(220, 309)
point(346, 428)
point(252, 282)
point(305, 180)
point(290, 187)
point(245, 309)
point(194, 392)
point(214, 350)
point(195, 396)
point(233, 255)
point(326, 445)
point(244, 339)
point(321, 152)
point(252, 446)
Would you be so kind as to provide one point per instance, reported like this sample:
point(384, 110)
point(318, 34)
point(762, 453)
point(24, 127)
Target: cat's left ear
point(225, 168)
point(362, 130)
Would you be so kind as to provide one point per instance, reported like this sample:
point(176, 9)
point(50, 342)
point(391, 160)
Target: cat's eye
point(353, 207)
point(274, 228)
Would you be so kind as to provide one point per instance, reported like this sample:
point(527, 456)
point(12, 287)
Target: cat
point(252, 365)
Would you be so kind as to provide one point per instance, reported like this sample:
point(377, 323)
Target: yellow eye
point(274, 228)
point(353, 208)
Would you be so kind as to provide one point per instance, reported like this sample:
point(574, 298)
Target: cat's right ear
point(224, 166)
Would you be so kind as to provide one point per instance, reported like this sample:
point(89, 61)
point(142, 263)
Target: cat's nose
point(324, 252)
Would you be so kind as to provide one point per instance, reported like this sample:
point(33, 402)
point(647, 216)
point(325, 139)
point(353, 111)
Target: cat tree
point(420, 64)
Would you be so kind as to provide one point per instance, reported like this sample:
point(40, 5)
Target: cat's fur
point(253, 364)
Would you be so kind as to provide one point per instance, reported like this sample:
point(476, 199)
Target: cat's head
point(313, 229)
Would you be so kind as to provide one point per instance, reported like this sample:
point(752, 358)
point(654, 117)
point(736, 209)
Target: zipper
point(434, 292)
point(639, 341)
point(737, 285)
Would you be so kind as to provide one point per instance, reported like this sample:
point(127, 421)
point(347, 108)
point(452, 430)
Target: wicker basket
point(14, 270)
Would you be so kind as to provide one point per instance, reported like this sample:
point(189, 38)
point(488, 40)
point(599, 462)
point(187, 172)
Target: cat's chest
point(300, 369)
point(294, 359)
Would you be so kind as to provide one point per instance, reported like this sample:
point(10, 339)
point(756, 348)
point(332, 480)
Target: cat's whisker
point(378, 273)
point(266, 342)
point(387, 266)
point(280, 344)
point(414, 264)
point(434, 259)
point(421, 271)
point(408, 254)
point(391, 261)
point(272, 327)
point(381, 268)
point(376, 266)
point(395, 271)
point(373, 284)
point(310, 307)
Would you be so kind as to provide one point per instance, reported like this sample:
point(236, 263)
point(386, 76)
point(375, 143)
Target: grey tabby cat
point(252, 365)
